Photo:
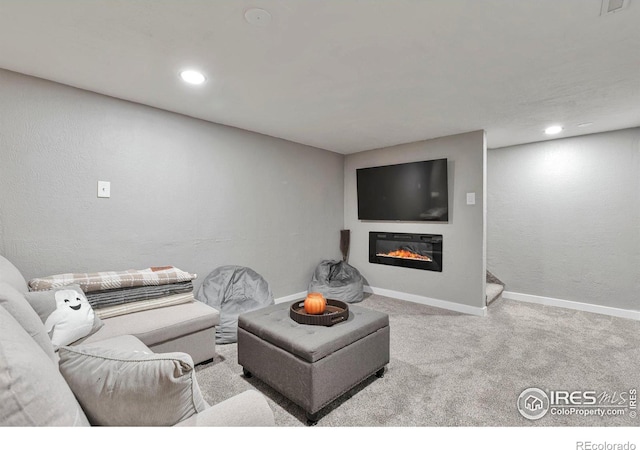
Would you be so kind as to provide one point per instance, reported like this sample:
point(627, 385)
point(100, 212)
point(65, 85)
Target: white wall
point(183, 191)
point(564, 218)
point(462, 280)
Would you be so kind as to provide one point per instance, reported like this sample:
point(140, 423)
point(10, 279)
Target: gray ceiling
point(346, 75)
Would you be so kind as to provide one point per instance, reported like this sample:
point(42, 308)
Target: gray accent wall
point(564, 218)
point(184, 192)
point(462, 280)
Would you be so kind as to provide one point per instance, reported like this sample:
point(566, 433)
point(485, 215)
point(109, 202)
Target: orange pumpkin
point(315, 303)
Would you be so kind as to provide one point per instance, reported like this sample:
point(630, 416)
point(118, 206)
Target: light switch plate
point(471, 198)
point(104, 189)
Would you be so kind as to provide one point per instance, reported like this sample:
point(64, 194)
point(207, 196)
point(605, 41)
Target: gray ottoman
point(312, 365)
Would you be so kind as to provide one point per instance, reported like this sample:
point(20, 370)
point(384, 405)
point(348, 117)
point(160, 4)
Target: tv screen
point(407, 192)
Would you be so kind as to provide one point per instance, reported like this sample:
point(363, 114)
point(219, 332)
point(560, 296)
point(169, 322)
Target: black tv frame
point(397, 173)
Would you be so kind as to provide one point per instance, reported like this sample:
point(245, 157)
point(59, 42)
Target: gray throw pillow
point(66, 313)
point(16, 304)
point(32, 391)
point(125, 388)
point(12, 276)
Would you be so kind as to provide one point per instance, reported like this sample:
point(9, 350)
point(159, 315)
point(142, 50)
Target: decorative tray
point(335, 312)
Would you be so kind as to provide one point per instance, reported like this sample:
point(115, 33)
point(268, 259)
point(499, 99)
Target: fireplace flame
point(405, 254)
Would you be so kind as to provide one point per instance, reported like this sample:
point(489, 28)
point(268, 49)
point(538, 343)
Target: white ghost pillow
point(72, 319)
point(66, 314)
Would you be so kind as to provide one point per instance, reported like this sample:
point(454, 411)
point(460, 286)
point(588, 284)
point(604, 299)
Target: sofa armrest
point(248, 409)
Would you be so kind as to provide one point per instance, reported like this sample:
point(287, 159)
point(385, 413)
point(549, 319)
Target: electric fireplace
point(415, 251)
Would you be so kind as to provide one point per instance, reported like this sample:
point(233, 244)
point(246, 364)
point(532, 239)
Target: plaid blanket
point(144, 305)
point(111, 297)
point(100, 281)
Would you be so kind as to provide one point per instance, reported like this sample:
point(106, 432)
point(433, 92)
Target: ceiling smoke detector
point(613, 6)
point(256, 16)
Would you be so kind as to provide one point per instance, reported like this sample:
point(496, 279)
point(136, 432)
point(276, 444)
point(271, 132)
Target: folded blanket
point(100, 281)
point(111, 297)
point(143, 305)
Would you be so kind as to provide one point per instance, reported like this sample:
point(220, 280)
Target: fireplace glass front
point(415, 251)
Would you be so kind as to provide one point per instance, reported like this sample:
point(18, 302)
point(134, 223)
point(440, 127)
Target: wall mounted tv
point(409, 192)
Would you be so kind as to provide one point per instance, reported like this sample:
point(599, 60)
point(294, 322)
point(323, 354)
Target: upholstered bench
point(312, 365)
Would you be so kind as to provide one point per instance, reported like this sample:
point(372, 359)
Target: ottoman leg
point(246, 373)
point(312, 419)
point(380, 373)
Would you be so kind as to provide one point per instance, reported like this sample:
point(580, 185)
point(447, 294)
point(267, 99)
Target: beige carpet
point(450, 369)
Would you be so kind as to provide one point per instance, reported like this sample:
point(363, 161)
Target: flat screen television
point(409, 192)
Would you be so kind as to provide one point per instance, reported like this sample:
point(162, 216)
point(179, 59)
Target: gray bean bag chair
point(233, 290)
point(338, 280)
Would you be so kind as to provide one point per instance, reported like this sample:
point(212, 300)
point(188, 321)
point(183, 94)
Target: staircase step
point(494, 290)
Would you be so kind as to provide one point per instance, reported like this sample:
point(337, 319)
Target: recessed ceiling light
point(192, 77)
point(555, 129)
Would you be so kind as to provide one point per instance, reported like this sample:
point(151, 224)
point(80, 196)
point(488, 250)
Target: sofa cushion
point(247, 409)
point(32, 391)
point(16, 304)
point(160, 325)
point(128, 387)
point(11, 275)
point(67, 312)
point(126, 342)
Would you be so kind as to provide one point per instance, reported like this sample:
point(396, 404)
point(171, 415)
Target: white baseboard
point(570, 304)
point(292, 297)
point(404, 296)
point(465, 309)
